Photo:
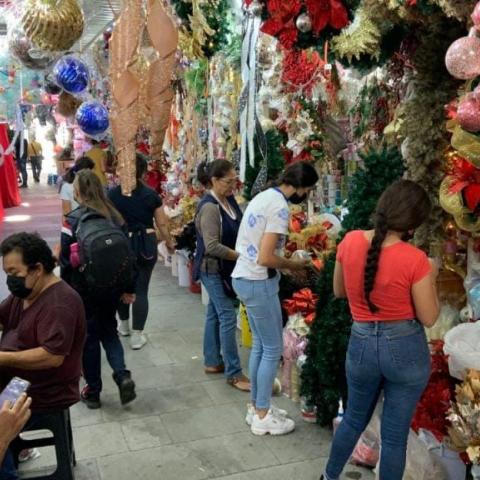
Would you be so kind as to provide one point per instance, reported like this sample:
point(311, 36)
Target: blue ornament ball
point(71, 74)
point(92, 118)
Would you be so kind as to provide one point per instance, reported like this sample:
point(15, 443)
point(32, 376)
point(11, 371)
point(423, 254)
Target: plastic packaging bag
point(449, 318)
point(367, 451)
point(462, 344)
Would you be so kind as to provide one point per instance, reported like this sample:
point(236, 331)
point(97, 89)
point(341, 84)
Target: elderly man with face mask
point(43, 326)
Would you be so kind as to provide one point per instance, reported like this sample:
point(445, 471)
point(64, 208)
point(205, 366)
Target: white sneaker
point(30, 454)
point(123, 328)
point(138, 340)
point(251, 413)
point(272, 424)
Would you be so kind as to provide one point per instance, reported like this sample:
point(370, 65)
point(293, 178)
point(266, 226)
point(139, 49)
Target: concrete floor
point(184, 425)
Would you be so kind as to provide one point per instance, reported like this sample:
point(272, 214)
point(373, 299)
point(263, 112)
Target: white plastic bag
point(367, 451)
point(462, 345)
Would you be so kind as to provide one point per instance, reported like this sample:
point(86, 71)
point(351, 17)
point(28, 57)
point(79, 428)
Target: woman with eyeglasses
point(217, 222)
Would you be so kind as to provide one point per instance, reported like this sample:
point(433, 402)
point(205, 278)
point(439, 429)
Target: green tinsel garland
point(323, 376)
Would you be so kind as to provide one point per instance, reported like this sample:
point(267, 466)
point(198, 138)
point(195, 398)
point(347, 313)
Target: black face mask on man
point(17, 287)
point(296, 199)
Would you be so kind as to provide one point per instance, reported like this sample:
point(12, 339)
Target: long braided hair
point(403, 207)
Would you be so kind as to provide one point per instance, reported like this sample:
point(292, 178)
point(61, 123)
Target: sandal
point(215, 370)
point(241, 383)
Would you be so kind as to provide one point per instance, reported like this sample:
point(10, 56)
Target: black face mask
point(17, 287)
point(296, 199)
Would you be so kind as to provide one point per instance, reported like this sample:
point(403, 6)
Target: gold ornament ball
point(256, 8)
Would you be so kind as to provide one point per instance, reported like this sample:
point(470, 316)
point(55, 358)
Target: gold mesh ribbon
point(124, 46)
point(53, 25)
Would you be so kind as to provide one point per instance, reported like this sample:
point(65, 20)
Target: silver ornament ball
point(304, 23)
point(256, 8)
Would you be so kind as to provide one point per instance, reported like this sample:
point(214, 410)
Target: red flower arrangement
point(282, 15)
point(466, 179)
point(432, 409)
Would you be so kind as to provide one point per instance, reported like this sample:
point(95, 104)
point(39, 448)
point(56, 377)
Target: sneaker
point(138, 340)
point(272, 424)
point(28, 454)
point(91, 399)
point(126, 387)
point(123, 328)
point(251, 413)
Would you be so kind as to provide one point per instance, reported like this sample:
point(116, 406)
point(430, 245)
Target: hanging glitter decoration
point(71, 74)
point(92, 118)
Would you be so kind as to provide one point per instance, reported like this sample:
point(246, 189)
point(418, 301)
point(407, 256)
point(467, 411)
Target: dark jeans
point(389, 356)
point(36, 167)
point(22, 168)
point(8, 470)
point(102, 329)
point(140, 307)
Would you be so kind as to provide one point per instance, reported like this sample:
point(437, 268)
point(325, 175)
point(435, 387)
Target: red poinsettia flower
point(327, 12)
point(467, 180)
point(281, 23)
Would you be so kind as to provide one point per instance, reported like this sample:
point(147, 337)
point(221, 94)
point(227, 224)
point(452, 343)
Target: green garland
point(275, 162)
point(323, 376)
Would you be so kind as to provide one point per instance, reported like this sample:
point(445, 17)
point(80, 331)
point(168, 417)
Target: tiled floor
point(184, 425)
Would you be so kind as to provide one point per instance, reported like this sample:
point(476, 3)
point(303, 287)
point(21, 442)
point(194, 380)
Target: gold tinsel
point(362, 37)
point(53, 25)
point(459, 9)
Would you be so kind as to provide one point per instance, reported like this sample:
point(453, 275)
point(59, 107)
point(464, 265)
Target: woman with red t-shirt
point(390, 287)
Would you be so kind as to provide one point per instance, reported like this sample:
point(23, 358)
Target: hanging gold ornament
point(53, 25)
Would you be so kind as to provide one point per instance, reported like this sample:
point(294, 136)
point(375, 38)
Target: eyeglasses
point(229, 181)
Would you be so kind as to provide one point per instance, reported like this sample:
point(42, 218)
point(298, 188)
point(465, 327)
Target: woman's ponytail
point(373, 257)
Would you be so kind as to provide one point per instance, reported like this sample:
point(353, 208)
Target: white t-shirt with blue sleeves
point(268, 212)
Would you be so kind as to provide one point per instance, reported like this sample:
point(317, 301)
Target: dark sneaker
point(91, 399)
point(126, 387)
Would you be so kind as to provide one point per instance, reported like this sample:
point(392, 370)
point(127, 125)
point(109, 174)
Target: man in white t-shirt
point(260, 243)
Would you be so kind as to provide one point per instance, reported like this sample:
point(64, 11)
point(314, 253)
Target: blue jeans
point(389, 356)
point(260, 297)
point(220, 336)
point(8, 470)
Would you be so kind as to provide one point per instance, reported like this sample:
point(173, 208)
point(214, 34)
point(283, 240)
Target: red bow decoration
point(297, 222)
point(304, 302)
point(327, 13)
point(466, 179)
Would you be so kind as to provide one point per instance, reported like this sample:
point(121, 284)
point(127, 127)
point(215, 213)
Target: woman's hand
point(13, 419)
point(128, 298)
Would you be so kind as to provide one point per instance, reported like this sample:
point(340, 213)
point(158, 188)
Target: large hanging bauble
point(304, 23)
point(21, 47)
point(53, 25)
point(92, 118)
point(476, 16)
point(463, 58)
point(71, 74)
point(67, 105)
point(468, 114)
point(256, 8)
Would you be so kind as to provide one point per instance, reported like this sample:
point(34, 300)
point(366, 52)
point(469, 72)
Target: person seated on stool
point(43, 323)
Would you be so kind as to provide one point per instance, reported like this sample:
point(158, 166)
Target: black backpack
point(106, 259)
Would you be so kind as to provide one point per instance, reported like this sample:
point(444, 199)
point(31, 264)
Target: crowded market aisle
point(184, 425)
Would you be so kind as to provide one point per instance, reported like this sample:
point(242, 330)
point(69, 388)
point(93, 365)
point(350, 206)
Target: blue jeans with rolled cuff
point(392, 357)
point(264, 311)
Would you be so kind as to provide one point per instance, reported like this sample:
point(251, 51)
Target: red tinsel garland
point(300, 70)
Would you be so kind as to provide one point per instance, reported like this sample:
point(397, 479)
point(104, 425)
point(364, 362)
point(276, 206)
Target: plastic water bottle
point(338, 419)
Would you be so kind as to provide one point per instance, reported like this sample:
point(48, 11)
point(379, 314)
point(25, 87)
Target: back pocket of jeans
point(356, 348)
point(409, 350)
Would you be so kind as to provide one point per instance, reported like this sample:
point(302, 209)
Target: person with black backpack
point(103, 272)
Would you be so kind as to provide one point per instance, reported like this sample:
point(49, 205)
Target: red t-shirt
point(400, 266)
point(56, 322)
